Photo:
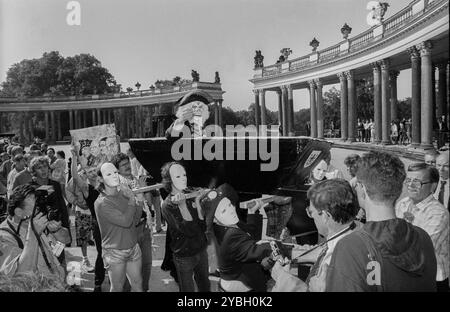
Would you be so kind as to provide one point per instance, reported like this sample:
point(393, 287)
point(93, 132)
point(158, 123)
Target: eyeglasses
point(415, 183)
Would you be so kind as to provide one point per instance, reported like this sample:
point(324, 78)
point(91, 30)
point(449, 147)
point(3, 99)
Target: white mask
point(110, 175)
point(320, 170)
point(178, 177)
point(226, 213)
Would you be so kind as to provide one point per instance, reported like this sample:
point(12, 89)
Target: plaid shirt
point(433, 218)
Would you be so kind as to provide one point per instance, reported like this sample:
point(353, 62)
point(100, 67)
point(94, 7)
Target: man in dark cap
point(239, 253)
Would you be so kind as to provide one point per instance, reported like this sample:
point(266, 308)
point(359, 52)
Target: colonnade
point(130, 122)
point(429, 99)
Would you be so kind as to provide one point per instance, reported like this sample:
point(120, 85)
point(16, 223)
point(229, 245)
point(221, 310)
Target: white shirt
point(431, 216)
point(446, 192)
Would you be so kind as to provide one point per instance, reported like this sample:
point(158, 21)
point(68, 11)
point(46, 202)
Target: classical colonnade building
point(145, 113)
point(417, 37)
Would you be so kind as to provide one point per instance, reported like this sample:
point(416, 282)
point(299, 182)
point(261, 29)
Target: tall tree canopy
point(54, 74)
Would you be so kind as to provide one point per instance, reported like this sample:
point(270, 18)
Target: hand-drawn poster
point(96, 145)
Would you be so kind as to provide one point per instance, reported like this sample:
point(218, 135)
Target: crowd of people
point(401, 131)
point(371, 238)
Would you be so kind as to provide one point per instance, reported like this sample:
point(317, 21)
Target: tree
point(137, 85)
point(52, 74)
point(129, 89)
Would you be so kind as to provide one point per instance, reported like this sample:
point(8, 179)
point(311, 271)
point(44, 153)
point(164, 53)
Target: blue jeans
point(190, 268)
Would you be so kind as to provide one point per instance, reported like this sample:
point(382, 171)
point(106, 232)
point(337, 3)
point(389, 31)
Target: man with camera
point(52, 200)
point(28, 240)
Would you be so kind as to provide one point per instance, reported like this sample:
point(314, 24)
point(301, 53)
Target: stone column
point(30, 125)
point(20, 116)
point(257, 109)
point(344, 106)
point(58, 125)
point(393, 74)
point(441, 98)
point(47, 124)
point(216, 113)
point(77, 120)
point(93, 117)
point(313, 108)
point(280, 110)
point(433, 96)
point(284, 110)
point(415, 96)
point(220, 114)
point(99, 117)
point(320, 123)
point(71, 120)
point(351, 106)
point(53, 126)
point(377, 102)
point(290, 102)
point(426, 99)
point(262, 100)
point(385, 109)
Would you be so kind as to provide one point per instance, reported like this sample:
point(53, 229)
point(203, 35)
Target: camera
point(45, 203)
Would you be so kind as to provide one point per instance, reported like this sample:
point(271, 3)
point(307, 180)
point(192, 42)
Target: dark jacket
point(408, 262)
point(239, 255)
point(188, 238)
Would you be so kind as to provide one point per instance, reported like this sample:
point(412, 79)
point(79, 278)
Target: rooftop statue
point(217, 78)
point(259, 58)
point(195, 76)
point(375, 17)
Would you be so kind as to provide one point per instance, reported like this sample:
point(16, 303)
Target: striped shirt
point(433, 218)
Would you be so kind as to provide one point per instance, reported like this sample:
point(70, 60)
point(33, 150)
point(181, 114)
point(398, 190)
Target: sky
point(147, 40)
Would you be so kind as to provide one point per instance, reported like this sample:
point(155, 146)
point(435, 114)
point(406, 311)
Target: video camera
point(44, 203)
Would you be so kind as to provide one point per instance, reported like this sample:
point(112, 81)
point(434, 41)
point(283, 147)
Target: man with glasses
point(387, 253)
point(422, 209)
point(333, 206)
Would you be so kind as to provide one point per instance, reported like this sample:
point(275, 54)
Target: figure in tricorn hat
point(191, 111)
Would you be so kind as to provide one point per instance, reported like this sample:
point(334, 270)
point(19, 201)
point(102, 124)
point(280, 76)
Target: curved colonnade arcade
point(145, 113)
point(416, 37)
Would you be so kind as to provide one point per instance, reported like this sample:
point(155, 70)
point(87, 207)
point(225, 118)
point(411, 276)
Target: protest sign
point(96, 145)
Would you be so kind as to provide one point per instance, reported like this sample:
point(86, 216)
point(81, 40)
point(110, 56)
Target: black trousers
point(443, 286)
point(99, 266)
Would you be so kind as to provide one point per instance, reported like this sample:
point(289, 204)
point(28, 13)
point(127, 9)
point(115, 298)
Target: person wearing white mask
point(187, 230)
point(118, 213)
point(239, 252)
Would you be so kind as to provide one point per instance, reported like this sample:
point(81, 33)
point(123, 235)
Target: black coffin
point(245, 175)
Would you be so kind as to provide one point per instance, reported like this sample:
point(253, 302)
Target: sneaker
point(98, 288)
point(86, 266)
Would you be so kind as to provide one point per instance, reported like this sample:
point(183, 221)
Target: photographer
point(29, 246)
point(40, 169)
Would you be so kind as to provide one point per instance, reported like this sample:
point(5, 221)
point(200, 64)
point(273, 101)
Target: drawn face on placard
point(178, 177)
point(110, 175)
point(226, 212)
